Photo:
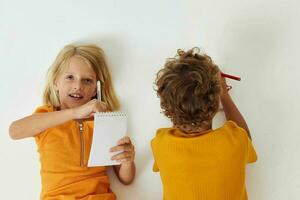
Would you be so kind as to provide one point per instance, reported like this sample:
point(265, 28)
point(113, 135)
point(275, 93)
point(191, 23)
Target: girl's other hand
point(89, 109)
point(127, 151)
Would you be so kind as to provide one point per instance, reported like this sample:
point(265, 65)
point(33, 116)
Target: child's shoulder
point(161, 131)
point(232, 128)
point(231, 124)
point(44, 109)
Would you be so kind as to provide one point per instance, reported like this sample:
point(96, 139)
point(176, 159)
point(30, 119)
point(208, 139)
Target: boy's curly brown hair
point(189, 88)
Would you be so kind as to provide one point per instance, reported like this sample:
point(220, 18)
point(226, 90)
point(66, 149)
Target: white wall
point(257, 40)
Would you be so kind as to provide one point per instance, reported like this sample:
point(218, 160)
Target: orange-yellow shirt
point(206, 167)
point(64, 152)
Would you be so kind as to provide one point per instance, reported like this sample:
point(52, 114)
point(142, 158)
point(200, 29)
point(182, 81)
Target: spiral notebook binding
point(111, 114)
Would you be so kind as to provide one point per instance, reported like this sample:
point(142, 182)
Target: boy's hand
point(89, 109)
point(225, 87)
point(127, 148)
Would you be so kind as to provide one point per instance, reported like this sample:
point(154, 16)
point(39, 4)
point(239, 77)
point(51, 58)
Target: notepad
point(109, 127)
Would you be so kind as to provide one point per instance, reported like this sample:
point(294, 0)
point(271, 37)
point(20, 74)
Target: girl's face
point(77, 84)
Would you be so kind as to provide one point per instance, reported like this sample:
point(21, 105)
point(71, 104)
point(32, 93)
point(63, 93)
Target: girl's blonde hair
point(95, 57)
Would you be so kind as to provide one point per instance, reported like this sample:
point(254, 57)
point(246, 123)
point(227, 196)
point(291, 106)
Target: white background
point(257, 40)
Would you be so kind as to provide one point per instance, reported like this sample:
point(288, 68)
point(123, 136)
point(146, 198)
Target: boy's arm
point(230, 109)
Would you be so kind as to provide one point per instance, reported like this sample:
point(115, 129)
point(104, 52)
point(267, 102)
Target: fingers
point(124, 144)
point(127, 153)
point(224, 84)
point(98, 106)
point(124, 140)
point(102, 106)
point(228, 87)
point(124, 157)
point(122, 148)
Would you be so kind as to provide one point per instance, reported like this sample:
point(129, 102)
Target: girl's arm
point(36, 123)
point(230, 109)
point(126, 171)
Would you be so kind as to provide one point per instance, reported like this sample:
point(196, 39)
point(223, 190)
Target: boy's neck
point(193, 130)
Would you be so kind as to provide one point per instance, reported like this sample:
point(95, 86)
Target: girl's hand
point(127, 148)
point(89, 109)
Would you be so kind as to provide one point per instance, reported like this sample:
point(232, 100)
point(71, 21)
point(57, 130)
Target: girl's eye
point(69, 77)
point(88, 80)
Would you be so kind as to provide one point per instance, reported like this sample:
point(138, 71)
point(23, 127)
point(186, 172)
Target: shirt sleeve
point(251, 153)
point(155, 167)
point(41, 109)
point(153, 146)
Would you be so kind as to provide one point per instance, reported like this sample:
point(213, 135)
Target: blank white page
point(109, 127)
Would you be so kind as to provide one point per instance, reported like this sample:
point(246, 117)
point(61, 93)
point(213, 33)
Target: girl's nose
point(77, 85)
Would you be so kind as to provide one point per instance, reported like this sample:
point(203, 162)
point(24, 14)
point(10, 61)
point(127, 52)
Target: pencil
point(231, 77)
point(99, 90)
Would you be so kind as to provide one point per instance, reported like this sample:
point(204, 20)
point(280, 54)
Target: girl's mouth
point(76, 96)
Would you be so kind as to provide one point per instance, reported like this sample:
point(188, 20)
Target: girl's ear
point(55, 85)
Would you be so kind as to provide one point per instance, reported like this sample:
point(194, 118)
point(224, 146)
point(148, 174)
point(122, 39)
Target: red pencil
point(230, 76)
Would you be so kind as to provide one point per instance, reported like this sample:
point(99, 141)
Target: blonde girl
point(63, 127)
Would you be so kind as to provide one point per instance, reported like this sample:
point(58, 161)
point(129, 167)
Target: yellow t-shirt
point(206, 167)
point(64, 152)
